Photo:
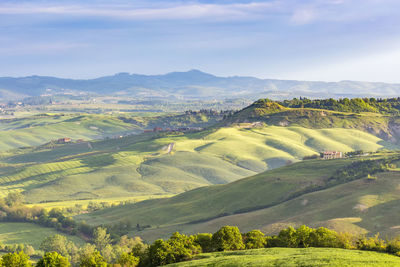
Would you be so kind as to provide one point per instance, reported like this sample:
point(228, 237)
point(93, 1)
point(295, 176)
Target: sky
point(324, 40)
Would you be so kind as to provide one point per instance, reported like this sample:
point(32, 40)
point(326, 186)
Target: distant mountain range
point(192, 84)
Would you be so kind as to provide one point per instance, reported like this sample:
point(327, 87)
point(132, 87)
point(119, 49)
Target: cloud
point(161, 12)
point(39, 48)
point(303, 16)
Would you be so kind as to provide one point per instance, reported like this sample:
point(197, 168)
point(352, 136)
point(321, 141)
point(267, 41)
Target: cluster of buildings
point(181, 129)
point(67, 140)
point(332, 155)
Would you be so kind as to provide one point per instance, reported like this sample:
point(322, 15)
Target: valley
point(152, 174)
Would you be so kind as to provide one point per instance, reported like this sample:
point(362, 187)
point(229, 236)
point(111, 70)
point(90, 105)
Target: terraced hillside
point(302, 193)
point(166, 163)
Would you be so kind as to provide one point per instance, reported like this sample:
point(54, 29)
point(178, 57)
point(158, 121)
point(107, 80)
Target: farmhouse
point(332, 155)
point(64, 140)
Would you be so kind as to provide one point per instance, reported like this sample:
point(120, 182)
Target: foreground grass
point(29, 233)
point(294, 257)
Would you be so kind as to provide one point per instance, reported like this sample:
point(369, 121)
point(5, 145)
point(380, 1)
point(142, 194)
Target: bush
point(227, 238)
point(371, 243)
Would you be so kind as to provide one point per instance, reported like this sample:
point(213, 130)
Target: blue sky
point(328, 40)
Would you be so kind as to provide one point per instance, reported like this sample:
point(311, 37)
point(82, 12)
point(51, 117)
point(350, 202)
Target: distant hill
point(192, 84)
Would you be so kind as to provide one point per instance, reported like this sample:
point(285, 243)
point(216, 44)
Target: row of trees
point(386, 106)
point(12, 209)
point(179, 247)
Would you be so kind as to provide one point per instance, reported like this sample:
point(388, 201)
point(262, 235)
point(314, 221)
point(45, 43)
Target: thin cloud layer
point(266, 38)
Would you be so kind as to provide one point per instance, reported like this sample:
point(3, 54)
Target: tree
point(16, 259)
point(323, 237)
point(254, 239)
point(53, 259)
point(59, 244)
point(303, 236)
point(204, 240)
point(183, 247)
point(227, 238)
point(287, 238)
point(100, 238)
point(90, 257)
point(14, 199)
point(128, 260)
point(159, 253)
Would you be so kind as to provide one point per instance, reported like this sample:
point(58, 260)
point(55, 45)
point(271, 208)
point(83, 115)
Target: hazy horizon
point(185, 71)
point(309, 40)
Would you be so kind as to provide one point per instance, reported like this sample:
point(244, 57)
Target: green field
point(294, 257)
point(271, 201)
point(29, 233)
point(38, 129)
point(142, 165)
point(42, 128)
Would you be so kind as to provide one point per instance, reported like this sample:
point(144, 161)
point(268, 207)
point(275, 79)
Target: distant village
point(180, 129)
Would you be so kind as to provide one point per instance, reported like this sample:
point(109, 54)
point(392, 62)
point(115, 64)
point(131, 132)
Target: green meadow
point(271, 201)
point(141, 165)
point(293, 257)
point(29, 233)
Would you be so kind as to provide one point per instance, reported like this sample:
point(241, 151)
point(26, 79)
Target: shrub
point(393, 246)
point(371, 243)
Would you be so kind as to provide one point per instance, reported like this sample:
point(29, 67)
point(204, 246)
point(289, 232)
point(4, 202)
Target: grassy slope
point(360, 206)
point(28, 233)
point(140, 165)
point(294, 257)
point(380, 125)
point(40, 129)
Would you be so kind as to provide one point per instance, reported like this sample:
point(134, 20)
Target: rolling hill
point(166, 163)
point(300, 193)
point(38, 129)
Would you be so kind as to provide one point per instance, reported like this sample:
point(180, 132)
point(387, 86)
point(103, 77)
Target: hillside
point(383, 124)
point(166, 163)
point(38, 129)
point(292, 195)
point(29, 233)
point(293, 257)
point(192, 84)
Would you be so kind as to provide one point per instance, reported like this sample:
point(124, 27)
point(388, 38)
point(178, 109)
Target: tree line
point(58, 251)
point(377, 105)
